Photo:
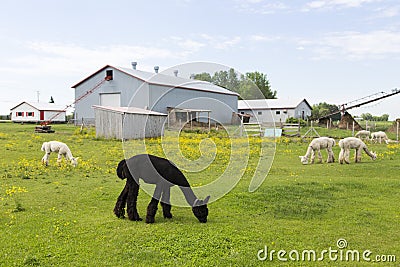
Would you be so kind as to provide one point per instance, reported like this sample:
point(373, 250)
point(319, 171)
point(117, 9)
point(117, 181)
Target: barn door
point(42, 115)
point(112, 100)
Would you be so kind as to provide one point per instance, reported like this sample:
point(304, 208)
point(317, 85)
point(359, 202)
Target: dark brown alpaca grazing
point(164, 174)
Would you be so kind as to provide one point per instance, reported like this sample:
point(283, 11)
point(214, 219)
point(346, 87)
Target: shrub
point(295, 120)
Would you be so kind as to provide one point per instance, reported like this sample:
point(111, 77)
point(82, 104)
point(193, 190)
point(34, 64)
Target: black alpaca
point(164, 174)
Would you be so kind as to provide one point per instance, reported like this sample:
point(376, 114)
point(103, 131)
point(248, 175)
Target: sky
point(333, 51)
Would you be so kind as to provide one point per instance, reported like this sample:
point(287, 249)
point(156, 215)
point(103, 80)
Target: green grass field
point(63, 216)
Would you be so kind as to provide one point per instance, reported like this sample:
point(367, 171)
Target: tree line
point(252, 85)
point(323, 109)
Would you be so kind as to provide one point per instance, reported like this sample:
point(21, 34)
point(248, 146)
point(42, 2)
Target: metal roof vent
point(134, 64)
point(176, 73)
point(156, 68)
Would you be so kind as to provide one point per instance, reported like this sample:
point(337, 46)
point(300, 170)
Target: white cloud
point(260, 6)
point(387, 12)
point(355, 45)
point(264, 38)
point(319, 4)
point(198, 41)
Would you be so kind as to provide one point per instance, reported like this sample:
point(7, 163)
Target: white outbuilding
point(128, 122)
point(37, 112)
point(274, 110)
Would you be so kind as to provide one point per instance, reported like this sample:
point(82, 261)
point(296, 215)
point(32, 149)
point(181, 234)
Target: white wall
point(25, 109)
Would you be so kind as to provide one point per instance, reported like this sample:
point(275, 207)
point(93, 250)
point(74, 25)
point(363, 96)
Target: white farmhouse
point(128, 87)
point(37, 112)
point(274, 110)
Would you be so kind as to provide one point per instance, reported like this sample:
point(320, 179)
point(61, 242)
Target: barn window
point(278, 112)
point(109, 75)
point(259, 113)
point(30, 114)
point(20, 114)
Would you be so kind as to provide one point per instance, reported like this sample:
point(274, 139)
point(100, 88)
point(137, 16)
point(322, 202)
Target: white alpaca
point(353, 143)
point(378, 136)
point(62, 150)
point(315, 146)
point(363, 134)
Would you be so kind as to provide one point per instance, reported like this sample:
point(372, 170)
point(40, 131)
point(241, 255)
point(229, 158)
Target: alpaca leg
point(331, 157)
point(165, 202)
point(59, 159)
point(133, 191)
point(358, 154)
point(341, 156)
point(153, 205)
point(319, 156)
point(119, 209)
point(347, 155)
point(312, 157)
point(45, 159)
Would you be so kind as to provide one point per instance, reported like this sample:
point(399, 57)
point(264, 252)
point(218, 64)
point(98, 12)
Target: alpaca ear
point(196, 202)
point(206, 200)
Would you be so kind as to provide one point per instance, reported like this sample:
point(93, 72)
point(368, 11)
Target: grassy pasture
point(62, 216)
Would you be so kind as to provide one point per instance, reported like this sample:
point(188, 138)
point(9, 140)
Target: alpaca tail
point(369, 153)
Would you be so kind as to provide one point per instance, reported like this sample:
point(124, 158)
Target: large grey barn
point(129, 87)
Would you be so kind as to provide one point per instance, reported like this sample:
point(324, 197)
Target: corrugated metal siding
point(108, 124)
point(221, 106)
point(111, 124)
point(137, 126)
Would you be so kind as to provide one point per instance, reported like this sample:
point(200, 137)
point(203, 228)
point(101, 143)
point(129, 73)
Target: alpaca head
point(123, 170)
point(200, 209)
point(74, 161)
point(373, 157)
point(303, 159)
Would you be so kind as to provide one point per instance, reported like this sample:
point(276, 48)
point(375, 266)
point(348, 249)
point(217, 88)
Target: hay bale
point(346, 122)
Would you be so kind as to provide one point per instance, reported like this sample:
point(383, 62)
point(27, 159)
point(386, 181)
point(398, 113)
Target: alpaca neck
point(368, 152)
point(69, 155)
point(308, 153)
point(189, 195)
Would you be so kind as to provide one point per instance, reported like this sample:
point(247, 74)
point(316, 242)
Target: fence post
point(353, 128)
point(397, 131)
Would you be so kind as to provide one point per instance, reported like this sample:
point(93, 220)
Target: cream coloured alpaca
point(62, 150)
point(379, 136)
point(315, 146)
point(363, 134)
point(353, 143)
